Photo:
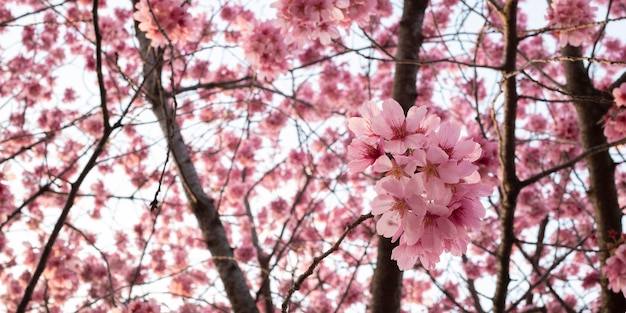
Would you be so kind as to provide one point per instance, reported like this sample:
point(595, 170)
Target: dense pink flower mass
point(569, 14)
point(428, 197)
point(615, 270)
point(305, 20)
point(230, 148)
point(265, 49)
point(172, 19)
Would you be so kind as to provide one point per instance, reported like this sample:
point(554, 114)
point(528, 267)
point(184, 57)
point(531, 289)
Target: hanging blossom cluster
point(619, 95)
point(428, 193)
point(615, 123)
point(317, 19)
point(171, 16)
point(569, 14)
point(615, 269)
point(264, 46)
point(266, 50)
point(305, 20)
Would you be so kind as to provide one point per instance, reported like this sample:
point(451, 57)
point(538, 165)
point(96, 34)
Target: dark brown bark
point(202, 206)
point(387, 281)
point(591, 106)
point(410, 40)
point(509, 182)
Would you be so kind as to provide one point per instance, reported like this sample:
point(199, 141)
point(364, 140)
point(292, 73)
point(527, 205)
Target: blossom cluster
point(163, 16)
point(615, 270)
point(428, 193)
point(619, 95)
point(305, 20)
point(266, 50)
point(569, 14)
point(615, 121)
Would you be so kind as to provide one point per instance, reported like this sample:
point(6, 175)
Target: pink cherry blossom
point(569, 14)
point(436, 170)
point(362, 126)
point(171, 19)
point(619, 95)
point(615, 270)
point(261, 99)
point(437, 227)
point(406, 256)
point(139, 306)
point(400, 132)
point(304, 20)
point(401, 209)
point(363, 154)
point(428, 196)
point(399, 166)
point(615, 124)
point(448, 140)
point(265, 49)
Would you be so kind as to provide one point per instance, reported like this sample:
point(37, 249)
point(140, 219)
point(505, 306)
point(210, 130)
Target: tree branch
point(69, 203)
point(509, 184)
point(202, 206)
point(317, 260)
point(602, 188)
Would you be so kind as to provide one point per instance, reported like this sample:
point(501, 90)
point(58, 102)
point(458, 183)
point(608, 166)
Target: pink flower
point(569, 14)
point(182, 285)
point(303, 20)
point(265, 49)
point(363, 154)
point(362, 126)
point(400, 132)
point(322, 10)
point(437, 227)
point(428, 197)
point(172, 18)
point(619, 95)
point(615, 270)
point(447, 138)
point(574, 38)
point(405, 255)
point(138, 306)
point(408, 255)
point(436, 170)
point(401, 209)
point(399, 166)
point(467, 210)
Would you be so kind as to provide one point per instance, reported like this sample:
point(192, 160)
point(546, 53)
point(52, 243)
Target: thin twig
point(318, 260)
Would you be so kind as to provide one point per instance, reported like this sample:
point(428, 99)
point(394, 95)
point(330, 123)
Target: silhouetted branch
point(317, 260)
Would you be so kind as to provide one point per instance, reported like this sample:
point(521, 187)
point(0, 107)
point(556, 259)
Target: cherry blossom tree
point(312, 156)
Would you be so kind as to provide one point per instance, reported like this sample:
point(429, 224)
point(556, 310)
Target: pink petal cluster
point(619, 95)
point(265, 49)
point(615, 120)
point(428, 195)
point(304, 20)
point(171, 16)
point(569, 14)
point(139, 306)
point(615, 270)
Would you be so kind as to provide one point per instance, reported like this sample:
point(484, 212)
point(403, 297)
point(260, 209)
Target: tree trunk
point(591, 106)
point(387, 281)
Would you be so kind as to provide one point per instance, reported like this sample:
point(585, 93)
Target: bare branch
point(317, 260)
